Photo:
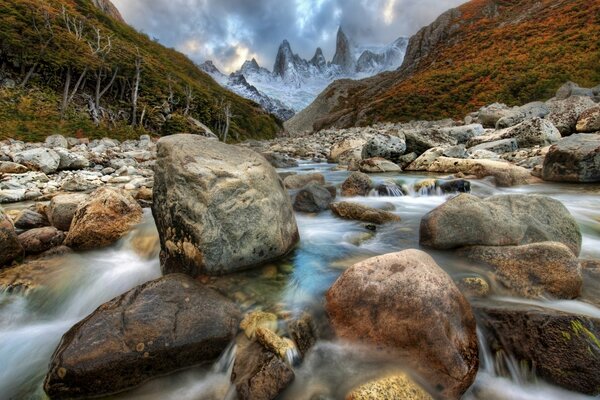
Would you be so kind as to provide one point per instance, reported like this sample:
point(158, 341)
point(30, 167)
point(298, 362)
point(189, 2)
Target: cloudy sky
point(231, 31)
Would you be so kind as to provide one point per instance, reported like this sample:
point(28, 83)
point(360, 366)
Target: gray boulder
point(313, 198)
point(572, 89)
point(489, 115)
point(56, 141)
point(564, 114)
point(517, 115)
point(503, 220)
point(391, 148)
point(42, 159)
point(218, 208)
point(498, 146)
point(154, 329)
point(589, 121)
point(70, 160)
point(574, 159)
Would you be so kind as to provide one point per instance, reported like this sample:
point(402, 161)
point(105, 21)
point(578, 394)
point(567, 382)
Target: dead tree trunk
point(189, 97)
point(136, 87)
point(68, 95)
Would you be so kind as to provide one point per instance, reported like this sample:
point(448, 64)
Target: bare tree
point(227, 114)
point(101, 46)
point(189, 97)
point(136, 86)
point(76, 28)
point(46, 35)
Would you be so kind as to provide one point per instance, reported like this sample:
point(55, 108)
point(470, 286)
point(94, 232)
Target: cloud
point(230, 31)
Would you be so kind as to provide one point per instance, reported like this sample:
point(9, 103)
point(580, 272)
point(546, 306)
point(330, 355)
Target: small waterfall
point(225, 363)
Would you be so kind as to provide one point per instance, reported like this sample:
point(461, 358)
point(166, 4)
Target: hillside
point(482, 52)
point(71, 67)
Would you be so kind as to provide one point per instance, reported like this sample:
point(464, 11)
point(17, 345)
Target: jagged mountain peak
point(344, 57)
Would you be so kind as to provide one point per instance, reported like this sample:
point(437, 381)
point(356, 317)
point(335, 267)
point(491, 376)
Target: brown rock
point(405, 303)
point(357, 184)
point(38, 240)
point(396, 387)
point(504, 173)
point(589, 121)
point(301, 180)
point(103, 219)
point(9, 243)
point(358, 212)
point(62, 208)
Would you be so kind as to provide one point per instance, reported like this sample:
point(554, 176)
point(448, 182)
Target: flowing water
point(33, 322)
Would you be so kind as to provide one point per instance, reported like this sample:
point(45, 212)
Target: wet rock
point(358, 212)
point(405, 303)
point(106, 216)
point(304, 333)
point(218, 208)
point(516, 115)
point(313, 198)
point(154, 329)
point(473, 286)
point(564, 348)
point(455, 186)
point(279, 160)
point(259, 374)
point(400, 387)
point(378, 165)
point(533, 270)
point(574, 159)
point(589, 121)
point(301, 180)
point(42, 159)
point(62, 208)
point(272, 342)
point(407, 159)
point(504, 173)
point(503, 220)
point(38, 240)
point(29, 219)
point(565, 113)
point(391, 148)
point(357, 184)
point(9, 242)
point(8, 167)
point(258, 319)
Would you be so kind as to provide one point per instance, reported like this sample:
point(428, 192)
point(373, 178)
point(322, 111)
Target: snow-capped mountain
point(295, 82)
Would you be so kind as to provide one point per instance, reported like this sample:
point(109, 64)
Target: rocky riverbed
point(424, 260)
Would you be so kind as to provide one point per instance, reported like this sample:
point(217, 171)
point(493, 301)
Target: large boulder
point(9, 242)
point(106, 216)
point(529, 133)
point(62, 208)
point(503, 220)
point(516, 115)
point(563, 347)
point(42, 159)
point(489, 115)
point(404, 303)
point(504, 173)
point(497, 146)
point(574, 159)
point(564, 113)
point(154, 329)
point(357, 184)
point(358, 212)
point(570, 89)
point(347, 151)
point(218, 208)
point(301, 180)
point(391, 148)
point(56, 141)
point(532, 270)
point(378, 165)
point(70, 160)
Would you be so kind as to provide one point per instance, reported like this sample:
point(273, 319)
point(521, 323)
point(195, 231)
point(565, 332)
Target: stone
point(71, 161)
point(388, 147)
point(8, 167)
point(489, 115)
point(357, 184)
point(278, 160)
point(12, 195)
point(347, 150)
point(9, 242)
point(406, 305)
point(258, 319)
point(454, 186)
point(272, 342)
point(505, 174)
point(534, 270)
point(29, 219)
point(304, 333)
point(301, 180)
point(378, 165)
point(77, 184)
point(502, 220)
point(534, 132)
point(589, 121)
point(38, 240)
point(497, 146)
point(259, 374)
point(516, 115)
point(56, 141)
point(313, 198)
point(62, 208)
point(154, 329)
point(570, 89)
point(358, 212)
point(424, 161)
point(106, 216)
point(574, 159)
point(564, 113)
point(563, 347)
point(42, 159)
point(218, 208)
point(473, 286)
point(395, 387)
